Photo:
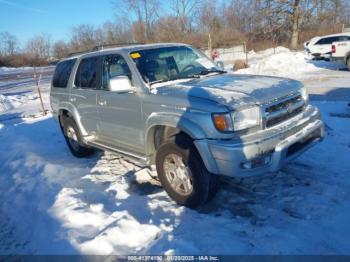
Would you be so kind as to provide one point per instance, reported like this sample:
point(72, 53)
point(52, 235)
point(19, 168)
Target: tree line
point(258, 23)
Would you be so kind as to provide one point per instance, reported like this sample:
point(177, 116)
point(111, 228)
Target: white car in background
point(341, 52)
point(321, 47)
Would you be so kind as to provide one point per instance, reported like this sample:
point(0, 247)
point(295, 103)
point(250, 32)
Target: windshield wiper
point(207, 72)
point(172, 79)
point(201, 73)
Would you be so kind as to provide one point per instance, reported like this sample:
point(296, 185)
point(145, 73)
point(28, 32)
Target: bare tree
point(145, 14)
point(210, 22)
point(296, 20)
point(8, 44)
point(118, 31)
point(260, 23)
point(39, 47)
point(184, 12)
point(60, 49)
point(83, 38)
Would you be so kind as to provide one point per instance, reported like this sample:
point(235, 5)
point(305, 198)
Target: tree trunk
point(297, 19)
point(210, 45)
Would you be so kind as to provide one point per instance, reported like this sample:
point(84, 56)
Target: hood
point(232, 90)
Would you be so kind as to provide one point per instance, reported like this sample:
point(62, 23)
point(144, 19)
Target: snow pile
point(284, 63)
point(9, 102)
point(268, 52)
point(5, 103)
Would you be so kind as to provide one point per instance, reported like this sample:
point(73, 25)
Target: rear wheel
point(183, 174)
point(73, 139)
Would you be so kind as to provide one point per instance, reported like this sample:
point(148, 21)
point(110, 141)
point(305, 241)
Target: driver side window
point(113, 66)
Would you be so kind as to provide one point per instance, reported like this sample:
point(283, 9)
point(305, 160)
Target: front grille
point(283, 110)
point(284, 117)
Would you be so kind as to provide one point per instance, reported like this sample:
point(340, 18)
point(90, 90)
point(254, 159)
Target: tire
point(73, 139)
point(199, 185)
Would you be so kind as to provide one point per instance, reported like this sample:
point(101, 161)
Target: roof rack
point(78, 53)
point(101, 47)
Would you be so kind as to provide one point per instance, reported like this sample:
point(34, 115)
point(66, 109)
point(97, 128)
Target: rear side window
point(86, 76)
point(328, 40)
point(62, 73)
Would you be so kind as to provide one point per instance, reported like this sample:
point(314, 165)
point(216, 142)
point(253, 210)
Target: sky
point(27, 18)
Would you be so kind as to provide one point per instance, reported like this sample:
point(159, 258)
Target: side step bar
point(139, 160)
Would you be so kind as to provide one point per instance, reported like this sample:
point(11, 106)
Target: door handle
point(72, 99)
point(102, 102)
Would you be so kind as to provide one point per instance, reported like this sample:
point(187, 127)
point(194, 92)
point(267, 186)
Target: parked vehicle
point(321, 47)
point(341, 52)
point(170, 106)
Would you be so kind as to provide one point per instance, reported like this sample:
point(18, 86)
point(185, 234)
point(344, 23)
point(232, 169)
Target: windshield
point(171, 63)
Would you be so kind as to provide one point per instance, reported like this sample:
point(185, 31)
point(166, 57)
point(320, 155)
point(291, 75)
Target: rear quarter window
point(62, 73)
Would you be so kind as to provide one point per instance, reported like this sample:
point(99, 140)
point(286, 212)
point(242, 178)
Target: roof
point(338, 34)
point(126, 48)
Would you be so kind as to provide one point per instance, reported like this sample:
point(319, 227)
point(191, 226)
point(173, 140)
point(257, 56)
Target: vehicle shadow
point(336, 94)
point(330, 65)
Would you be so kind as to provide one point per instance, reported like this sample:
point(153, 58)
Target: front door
point(120, 112)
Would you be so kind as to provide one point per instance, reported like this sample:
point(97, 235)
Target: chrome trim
point(294, 106)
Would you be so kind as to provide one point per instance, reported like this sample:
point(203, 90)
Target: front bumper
point(265, 151)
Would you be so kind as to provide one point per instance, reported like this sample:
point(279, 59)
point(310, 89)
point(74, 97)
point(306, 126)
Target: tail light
point(333, 49)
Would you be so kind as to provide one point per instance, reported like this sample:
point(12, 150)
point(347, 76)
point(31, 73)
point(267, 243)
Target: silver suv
point(170, 106)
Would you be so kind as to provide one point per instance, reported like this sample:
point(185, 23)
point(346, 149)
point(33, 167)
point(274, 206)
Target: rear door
point(83, 93)
point(120, 112)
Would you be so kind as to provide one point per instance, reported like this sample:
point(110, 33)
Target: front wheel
point(183, 174)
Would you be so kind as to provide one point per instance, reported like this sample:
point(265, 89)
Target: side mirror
point(120, 84)
point(220, 64)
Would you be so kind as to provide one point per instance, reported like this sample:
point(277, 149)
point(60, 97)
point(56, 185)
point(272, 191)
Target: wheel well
point(61, 114)
point(158, 134)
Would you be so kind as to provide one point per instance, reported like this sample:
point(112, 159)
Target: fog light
point(257, 162)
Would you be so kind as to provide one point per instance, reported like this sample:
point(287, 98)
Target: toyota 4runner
point(170, 106)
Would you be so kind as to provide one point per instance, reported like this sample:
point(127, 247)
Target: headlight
point(304, 94)
point(237, 120)
point(246, 118)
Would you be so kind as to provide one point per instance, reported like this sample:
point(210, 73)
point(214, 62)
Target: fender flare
point(172, 120)
point(74, 114)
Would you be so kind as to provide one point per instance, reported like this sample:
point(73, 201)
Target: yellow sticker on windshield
point(135, 55)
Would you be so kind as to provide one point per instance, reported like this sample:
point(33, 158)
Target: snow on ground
point(285, 63)
point(10, 70)
point(53, 203)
